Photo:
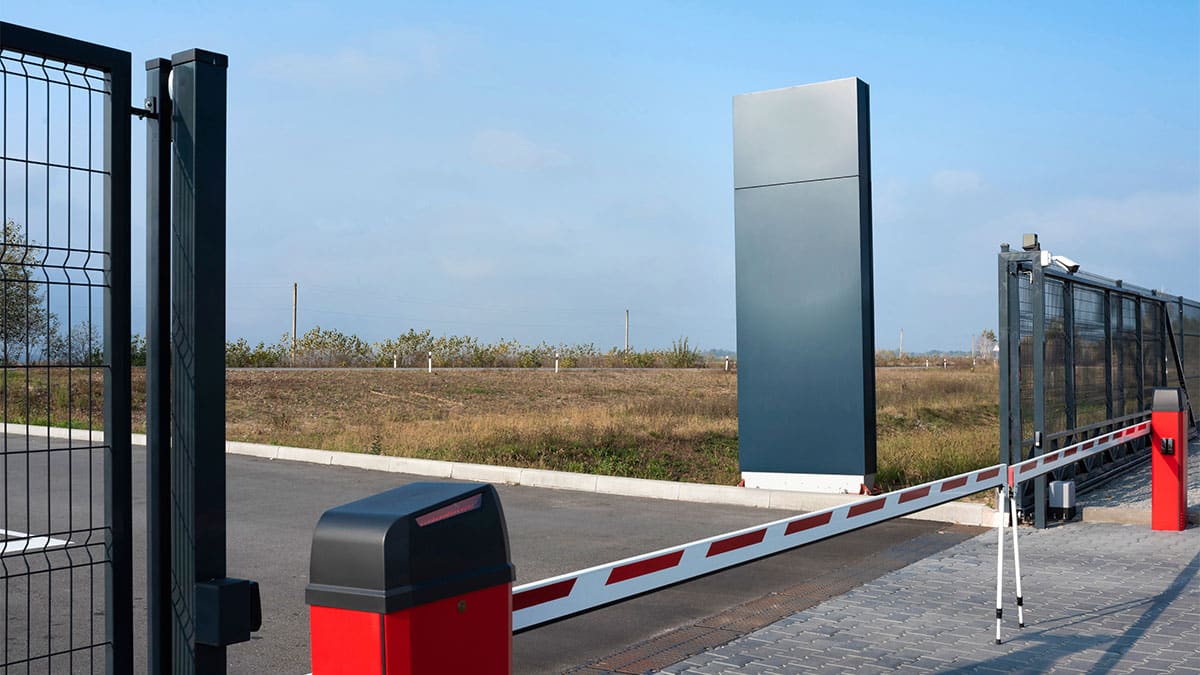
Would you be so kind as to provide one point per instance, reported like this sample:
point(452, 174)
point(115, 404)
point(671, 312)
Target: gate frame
point(118, 466)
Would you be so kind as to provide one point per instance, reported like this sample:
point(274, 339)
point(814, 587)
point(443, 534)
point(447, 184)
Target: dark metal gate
point(66, 547)
point(1080, 356)
point(67, 497)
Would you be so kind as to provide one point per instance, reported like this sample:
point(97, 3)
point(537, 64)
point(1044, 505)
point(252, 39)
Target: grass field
point(666, 424)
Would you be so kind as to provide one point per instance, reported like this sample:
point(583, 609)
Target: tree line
point(331, 348)
point(29, 332)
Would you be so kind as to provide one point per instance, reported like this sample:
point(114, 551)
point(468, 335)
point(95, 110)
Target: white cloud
point(385, 58)
point(956, 181)
point(515, 152)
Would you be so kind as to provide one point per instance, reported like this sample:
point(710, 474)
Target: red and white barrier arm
point(558, 597)
point(1032, 468)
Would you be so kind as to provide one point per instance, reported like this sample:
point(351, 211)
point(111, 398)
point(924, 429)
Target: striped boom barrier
point(566, 595)
point(1043, 464)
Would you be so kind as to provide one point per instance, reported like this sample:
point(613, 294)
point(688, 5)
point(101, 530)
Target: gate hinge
point(150, 111)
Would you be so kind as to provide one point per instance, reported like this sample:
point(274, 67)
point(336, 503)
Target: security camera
point(1066, 263)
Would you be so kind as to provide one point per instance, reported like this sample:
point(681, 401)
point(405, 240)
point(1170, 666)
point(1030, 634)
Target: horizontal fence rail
point(542, 602)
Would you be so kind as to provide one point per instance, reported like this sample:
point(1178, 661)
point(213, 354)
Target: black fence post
point(158, 365)
point(118, 470)
point(1037, 303)
point(198, 347)
point(1109, 412)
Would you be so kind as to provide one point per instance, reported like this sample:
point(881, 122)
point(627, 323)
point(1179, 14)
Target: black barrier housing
point(409, 546)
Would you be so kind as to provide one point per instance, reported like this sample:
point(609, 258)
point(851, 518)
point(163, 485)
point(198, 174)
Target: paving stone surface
point(1132, 490)
point(1100, 598)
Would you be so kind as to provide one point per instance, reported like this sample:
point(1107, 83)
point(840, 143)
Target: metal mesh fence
point(1189, 327)
point(53, 553)
point(1125, 357)
point(1090, 362)
point(1055, 390)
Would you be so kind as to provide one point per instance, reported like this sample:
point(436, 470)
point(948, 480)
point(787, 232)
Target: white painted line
point(23, 542)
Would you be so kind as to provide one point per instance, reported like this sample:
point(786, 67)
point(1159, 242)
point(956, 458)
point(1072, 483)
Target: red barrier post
point(412, 581)
point(1168, 439)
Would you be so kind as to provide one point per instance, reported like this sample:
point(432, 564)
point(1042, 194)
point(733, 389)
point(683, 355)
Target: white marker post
point(727, 364)
point(395, 361)
point(556, 362)
point(431, 361)
point(1000, 500)
point(1014, 498)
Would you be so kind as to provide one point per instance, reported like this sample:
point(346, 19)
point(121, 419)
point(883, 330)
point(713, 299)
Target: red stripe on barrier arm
point(1088, 445)
point(734, 543)
point(537, 596)
point(952, 484)
point(985, 475)
point(914, 494)
point(1046, 459)
point(866, 507)
point(808, 523)
point(644, 567)
point(1068, 453)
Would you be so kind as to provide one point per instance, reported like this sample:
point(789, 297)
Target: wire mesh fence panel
point(1153, 351)
point(1055, 389)
point(57, 545)
point(1125, 356)
point(1091, 391)
point(1190, 347)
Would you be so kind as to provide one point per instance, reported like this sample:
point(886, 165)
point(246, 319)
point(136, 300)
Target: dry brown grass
point(668, 424)
point(678, 424)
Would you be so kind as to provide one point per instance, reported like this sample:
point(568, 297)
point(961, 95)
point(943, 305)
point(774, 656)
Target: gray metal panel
point(802, 404)
point(810, 132)
point(1167, 400)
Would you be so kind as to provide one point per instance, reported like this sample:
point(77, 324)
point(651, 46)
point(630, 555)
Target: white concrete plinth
point(809, 482)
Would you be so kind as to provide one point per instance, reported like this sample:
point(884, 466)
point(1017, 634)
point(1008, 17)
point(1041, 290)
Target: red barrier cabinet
point(413, 580)
point(1168, 437)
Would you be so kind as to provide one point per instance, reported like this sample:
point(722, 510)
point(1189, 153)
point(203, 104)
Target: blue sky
point(531, 170)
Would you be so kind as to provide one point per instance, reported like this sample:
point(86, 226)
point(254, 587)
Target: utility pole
point(627, 331)
point(295, 290)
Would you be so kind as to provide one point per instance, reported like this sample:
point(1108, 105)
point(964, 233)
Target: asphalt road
point(273, 507)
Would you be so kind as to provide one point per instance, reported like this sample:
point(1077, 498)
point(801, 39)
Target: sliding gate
point(1080, 356)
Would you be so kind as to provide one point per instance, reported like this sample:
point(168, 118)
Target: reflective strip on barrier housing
point(558, 597)
point(1043, 464)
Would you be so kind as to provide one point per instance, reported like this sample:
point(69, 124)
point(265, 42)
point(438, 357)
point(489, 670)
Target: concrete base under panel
point(838, 484)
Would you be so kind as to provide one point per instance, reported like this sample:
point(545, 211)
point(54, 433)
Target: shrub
point(683, 356)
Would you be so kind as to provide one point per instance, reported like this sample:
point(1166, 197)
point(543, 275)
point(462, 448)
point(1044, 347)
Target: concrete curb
point(1124, 515)
point(960, 513)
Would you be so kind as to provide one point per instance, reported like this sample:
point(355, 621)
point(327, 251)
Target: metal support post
point(1141, 357)
point(158, 364)
point(1037, 302)
point(1108, 356)
point(118, 395)
point(197, 349)
point(1068, 300)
